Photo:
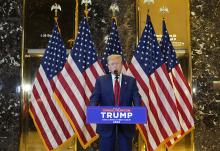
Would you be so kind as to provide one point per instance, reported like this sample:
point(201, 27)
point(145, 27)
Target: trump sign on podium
point(116, 115)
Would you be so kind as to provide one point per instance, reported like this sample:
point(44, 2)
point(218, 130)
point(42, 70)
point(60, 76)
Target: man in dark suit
point(115, 89)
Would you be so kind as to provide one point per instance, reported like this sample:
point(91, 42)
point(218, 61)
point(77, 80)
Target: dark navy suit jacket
point(103, 95)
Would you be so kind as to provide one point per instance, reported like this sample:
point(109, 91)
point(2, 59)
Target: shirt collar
point(113, 77)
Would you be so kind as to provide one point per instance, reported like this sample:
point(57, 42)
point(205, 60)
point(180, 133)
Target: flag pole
point(86, 11)
point(76, 18)
point(114, 8)
point(75, 32)
point(164, 10)
point(55, 7)
point(149, 2)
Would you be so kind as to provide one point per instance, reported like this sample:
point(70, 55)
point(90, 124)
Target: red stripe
point(152, 130)
point(62, 124)
point(182, 94)
point(88, 82)
point(46, 116)
point(71, 116)
point(87, 79)
point(78, 84)
point(40, 127)
point(52, 106)
point(143, 129)
point(125, 65)
point(153, 133)
point(165, 90)
point(151, 105)
point(100, 64)
point(166, 73)
point(183, 115)
point(161, 106)
point(76, 103)
point(94, 71)
point(149, 147)
point(179, 71)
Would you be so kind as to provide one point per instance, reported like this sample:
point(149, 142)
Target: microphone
point(116, 74)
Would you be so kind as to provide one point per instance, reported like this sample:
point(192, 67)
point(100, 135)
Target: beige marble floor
point(32, 142)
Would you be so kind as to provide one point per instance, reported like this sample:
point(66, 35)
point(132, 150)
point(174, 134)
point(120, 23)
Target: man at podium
point(115, 89)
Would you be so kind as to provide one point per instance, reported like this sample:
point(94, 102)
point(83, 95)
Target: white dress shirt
point(113, 80)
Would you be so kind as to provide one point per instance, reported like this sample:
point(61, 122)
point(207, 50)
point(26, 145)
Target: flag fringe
point(163, 142)
point(84, 146)
point(41, 137)
point(180, 138)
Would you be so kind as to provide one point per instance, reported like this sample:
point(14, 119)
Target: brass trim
point(137, 21)
point(38, 52)
point(192, 134)
point(189, 47)
point(22, 136)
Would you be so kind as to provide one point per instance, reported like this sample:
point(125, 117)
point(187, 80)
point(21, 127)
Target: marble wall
point(10, 50)
point(205, 40)
point(100, 24)
point(205, 43)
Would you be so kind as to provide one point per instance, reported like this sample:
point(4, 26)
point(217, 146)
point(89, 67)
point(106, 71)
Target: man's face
point(115, 64)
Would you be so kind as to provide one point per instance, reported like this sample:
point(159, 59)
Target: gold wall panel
point(177, 20)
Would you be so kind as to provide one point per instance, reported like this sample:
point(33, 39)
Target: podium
point(116, 115)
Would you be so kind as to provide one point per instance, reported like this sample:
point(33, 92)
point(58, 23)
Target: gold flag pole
point(164, 10)
point(114, 8)
point(86, 11)
point(55, 7)
point(149, 2)
point(76, 18)
point(71, 40)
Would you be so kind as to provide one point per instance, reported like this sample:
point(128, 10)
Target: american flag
point(148, 67)
point(50, 121)
point(113, 47)
point(76, 82)
point(181, 87)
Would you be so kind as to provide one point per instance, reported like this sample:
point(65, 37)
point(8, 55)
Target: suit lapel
point(110, 84)
point(124, 84)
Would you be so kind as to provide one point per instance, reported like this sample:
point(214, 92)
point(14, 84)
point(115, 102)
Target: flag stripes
point(154, 83)
point(51, 123)
point(180, 85)
point(75, 84)
point(157, 130)
point(48, 112)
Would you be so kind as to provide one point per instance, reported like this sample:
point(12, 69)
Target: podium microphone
point(116, 125)
point(116, 74)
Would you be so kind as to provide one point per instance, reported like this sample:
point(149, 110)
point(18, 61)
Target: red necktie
point(117, 92)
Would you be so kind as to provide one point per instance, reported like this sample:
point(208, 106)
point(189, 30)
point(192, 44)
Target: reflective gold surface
point(177, 20)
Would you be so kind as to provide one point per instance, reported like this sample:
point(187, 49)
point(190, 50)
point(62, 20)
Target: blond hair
point(114, 57)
